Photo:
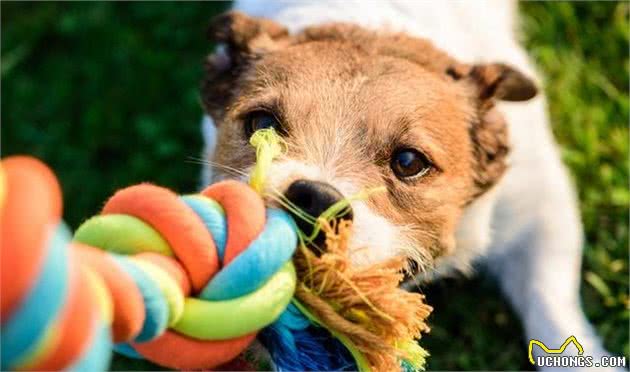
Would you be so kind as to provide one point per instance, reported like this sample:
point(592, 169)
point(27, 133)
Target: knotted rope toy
point(189, 282)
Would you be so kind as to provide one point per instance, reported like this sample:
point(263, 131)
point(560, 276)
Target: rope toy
point(188, 282)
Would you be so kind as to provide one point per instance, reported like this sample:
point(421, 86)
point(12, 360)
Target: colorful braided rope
point(185, 282)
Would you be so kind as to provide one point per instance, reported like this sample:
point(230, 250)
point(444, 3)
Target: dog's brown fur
point(348, 97)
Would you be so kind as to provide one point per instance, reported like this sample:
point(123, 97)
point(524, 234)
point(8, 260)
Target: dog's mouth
point(309, 203)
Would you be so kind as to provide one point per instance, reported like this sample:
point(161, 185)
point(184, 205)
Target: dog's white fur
point(527, 229)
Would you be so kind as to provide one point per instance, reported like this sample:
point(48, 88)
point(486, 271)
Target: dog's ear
point(495, 81)
point(240, 40)
point(488, 131)
point(502, 82)
point(490, 145)
point(244, 34)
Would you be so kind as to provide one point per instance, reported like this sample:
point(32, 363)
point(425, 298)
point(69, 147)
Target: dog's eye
point(260, 120)
point(408, 162)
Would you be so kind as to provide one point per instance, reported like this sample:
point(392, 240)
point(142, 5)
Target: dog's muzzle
point(313, 198)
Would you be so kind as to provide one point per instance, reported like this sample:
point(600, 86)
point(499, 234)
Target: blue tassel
point(295, 344)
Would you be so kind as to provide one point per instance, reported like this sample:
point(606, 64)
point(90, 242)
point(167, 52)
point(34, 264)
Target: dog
point(436, 105)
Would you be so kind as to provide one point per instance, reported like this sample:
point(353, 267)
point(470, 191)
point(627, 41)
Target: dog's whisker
point(410, 246)
point(218, 165)
point(283, 201)
point(233, 171)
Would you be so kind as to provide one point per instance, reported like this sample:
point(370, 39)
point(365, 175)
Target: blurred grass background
point(106, 94)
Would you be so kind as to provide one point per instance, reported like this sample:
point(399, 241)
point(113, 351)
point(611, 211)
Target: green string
point(268, 146)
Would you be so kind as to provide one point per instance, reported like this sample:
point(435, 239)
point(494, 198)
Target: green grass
point(582, 50)
point(106, 93)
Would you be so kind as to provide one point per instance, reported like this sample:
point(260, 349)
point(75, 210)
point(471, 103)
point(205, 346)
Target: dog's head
point(361, 109)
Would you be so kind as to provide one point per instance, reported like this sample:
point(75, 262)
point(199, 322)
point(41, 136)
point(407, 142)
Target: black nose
point(313, 197)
